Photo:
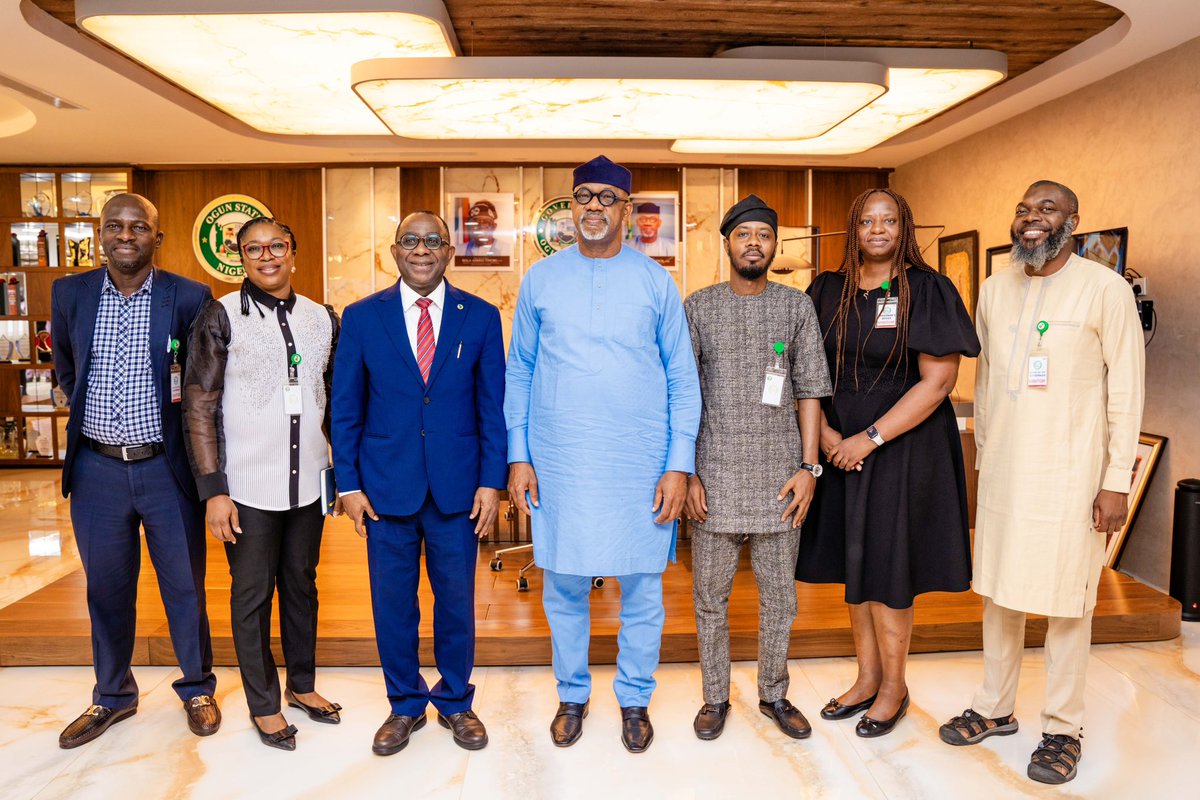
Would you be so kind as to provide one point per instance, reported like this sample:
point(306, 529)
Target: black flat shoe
point(869, 728)
point(283, 740)
point(327, 714)
point(835, 710)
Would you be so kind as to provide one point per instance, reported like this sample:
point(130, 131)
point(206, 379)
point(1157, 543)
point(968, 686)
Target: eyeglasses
point(606, 197)
point(409, 241)
point(277, 249)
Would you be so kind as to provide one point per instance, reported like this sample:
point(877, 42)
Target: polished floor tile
point(1143, 731)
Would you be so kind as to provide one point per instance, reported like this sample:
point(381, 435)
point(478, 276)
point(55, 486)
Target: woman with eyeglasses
point(256, 412)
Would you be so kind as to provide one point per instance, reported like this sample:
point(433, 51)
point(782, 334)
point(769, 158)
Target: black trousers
point(275, 549)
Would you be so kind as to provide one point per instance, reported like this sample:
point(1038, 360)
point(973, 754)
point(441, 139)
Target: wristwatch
point(873, 435)
point(815, 469)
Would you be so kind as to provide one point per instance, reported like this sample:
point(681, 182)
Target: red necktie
point(424, 339)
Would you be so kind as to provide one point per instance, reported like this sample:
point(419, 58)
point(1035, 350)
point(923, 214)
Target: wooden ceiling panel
point(1028, 32)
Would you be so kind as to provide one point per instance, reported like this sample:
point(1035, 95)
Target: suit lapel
point(88, 306)
point(454, 313)
point(391, 316)
point(162, 314)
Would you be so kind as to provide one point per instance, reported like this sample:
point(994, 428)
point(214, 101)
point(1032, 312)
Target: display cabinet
point(51, 216)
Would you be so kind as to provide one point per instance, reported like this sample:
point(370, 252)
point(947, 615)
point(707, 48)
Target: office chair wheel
point(496, 565)
point(522, 584)
point(598, 582)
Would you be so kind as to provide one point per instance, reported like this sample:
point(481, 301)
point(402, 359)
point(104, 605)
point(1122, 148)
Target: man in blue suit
point(420, 454)
point(119, 336)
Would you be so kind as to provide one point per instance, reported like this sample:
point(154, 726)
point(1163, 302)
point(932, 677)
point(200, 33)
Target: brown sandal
point(971, 727)
point(1055, 759)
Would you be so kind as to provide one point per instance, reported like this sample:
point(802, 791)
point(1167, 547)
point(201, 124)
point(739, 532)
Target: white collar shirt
point(412, 312)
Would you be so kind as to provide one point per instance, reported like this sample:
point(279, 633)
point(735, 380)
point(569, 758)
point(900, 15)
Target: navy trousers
point(110, 499)
point(394, 560)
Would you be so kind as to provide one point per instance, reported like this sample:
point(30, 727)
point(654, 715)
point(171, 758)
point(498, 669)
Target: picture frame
point(958, 260)
point(997, 259)
point(654, 227)
point(482, 230)
point(1108, 247)
point(1149, 451)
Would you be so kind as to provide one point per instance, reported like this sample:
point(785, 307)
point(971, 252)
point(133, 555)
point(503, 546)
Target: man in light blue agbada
point(602, 404)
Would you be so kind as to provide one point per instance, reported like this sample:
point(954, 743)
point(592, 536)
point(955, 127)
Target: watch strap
point(873, 435)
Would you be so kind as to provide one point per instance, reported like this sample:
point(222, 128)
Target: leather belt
point(126, 452)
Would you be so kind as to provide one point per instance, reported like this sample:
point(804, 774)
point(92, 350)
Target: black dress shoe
point(284, 739)
point(869, 728)
point(835, 710)
point(567, 726)
point(91, 723)
point(327, 714)
point(636, 731)
point(710, 720)
point(787, 717)
point(468, 730)
point(393, 734)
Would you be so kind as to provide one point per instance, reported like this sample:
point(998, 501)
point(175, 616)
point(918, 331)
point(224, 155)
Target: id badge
point(293, 400)
point(887, 310)
point(772, 394)
point(176, 383)
point(1039, 370)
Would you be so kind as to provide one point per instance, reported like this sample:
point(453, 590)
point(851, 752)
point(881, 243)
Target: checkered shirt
point(122, 406)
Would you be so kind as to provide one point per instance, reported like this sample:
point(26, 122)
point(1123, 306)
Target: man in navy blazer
point(119, 351)
point(420, 456)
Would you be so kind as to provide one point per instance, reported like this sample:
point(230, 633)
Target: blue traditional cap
point(648, 208)
point(602, 170)
point(750, 208)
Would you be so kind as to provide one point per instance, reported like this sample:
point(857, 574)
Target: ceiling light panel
point(626, 98)
point(285, 70)
point(922, 84)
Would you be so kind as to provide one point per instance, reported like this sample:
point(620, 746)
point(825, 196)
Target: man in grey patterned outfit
point(758, 348)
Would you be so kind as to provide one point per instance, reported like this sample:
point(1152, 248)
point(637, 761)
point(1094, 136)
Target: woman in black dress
point(890, 519)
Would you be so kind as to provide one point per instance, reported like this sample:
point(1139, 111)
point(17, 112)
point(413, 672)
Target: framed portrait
point(654, 226)
point(797, 256)
point(482, 230)
point(997, 259)
point(1105, 247)
point(1149, 449)
point(958, 260)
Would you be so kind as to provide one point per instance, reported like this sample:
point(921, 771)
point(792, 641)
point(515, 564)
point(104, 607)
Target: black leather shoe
point(91, 723)
point(710, 720)
point(835, 710)
point(787, 717)
point(567, 726)
point(284, 739)
point(468, 730)
point(393, 734)
point(327, 714)
point(636, 731)
point(869, 728)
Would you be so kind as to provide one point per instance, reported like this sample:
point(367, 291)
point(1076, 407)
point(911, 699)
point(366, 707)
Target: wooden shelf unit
point(65, 202)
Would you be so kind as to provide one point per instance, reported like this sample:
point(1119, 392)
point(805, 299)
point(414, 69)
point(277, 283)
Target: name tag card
point(887, 310)
point(772, 394)
point(293, 400)
point(1039, 371)
point(176, 383)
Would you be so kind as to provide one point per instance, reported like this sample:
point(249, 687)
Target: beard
point(1036, 257)
point(754, 272)
point(594, 235)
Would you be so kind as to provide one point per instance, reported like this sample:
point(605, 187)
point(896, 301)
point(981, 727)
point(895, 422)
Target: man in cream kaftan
point(1058, 408)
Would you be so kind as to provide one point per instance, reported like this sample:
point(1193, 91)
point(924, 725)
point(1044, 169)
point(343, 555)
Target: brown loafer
point(710, 720)
point(567, 726)
point(203, 716)
point(393, 734)
point(636, 731)
point(787, 717)
point(91, 723)
point(468, 730)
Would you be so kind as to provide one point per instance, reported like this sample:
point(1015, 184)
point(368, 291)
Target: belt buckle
point(125, 451)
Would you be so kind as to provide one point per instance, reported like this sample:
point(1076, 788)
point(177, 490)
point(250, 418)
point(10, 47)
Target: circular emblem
point(555, 229)
point(214, 236)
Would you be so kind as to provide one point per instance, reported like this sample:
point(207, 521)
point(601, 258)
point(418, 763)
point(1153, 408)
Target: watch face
point(817, 470)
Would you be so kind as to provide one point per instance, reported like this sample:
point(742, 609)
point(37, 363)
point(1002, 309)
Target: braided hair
point(908, 254)
point(242, 233)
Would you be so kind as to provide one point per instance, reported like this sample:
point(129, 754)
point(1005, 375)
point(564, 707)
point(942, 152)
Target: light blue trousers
point(565, 599)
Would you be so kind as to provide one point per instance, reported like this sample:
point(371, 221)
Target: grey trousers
point(714, 564)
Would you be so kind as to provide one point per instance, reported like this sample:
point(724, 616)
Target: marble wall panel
point(385, 212)
point(349, 251)
point(702, 210)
